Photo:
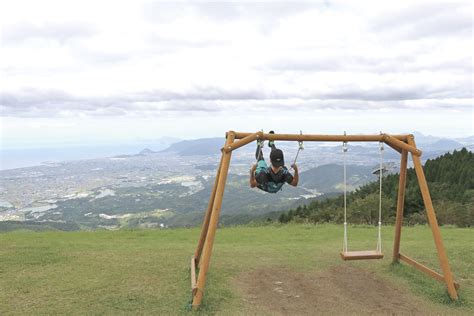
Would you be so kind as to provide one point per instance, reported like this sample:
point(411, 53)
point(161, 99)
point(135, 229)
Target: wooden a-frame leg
point(400, 204)
point(207, 217)
point(214, 220)
point(433, 222)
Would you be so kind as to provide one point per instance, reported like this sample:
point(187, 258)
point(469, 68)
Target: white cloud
point(135, 59)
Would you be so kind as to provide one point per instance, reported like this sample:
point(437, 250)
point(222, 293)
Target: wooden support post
point(400, 204)
point(207, 217)
point(402, 145)
point(193, 274)
point(207, 250)
point(430, 212)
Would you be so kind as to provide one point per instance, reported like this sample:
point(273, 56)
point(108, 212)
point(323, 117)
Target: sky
point(97, 72)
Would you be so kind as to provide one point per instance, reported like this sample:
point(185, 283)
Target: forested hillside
point(451, 181)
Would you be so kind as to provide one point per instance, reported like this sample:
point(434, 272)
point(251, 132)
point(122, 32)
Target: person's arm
point(295, 176)
point(253, 182)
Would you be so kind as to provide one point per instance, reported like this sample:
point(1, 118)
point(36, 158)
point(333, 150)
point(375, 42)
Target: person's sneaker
point(271, 143)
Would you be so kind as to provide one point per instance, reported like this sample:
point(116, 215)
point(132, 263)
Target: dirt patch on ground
point(341, 290)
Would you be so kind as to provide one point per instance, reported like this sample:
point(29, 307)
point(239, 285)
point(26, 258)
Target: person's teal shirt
point(269, 181)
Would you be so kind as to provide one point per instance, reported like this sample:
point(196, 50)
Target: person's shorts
point(261, 165)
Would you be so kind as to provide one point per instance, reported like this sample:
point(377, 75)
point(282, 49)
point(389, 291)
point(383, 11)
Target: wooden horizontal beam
point(398, 143)
point(435, 275)
point(321, 138)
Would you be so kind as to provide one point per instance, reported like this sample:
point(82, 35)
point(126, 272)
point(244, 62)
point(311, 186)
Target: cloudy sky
point(76, 72)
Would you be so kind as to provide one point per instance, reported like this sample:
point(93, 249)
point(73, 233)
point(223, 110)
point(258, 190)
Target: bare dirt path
point(341, 290)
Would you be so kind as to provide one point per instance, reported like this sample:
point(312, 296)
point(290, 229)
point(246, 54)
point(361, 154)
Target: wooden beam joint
point(393, 142)
point(242, 142)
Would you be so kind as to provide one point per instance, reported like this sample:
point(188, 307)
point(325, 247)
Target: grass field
point(147, 271)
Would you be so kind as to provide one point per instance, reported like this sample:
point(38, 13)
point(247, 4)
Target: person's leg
point(261, 165)
point(258, 152)
point(271, 143)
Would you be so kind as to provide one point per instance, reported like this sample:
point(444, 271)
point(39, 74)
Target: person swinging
point(271, 178)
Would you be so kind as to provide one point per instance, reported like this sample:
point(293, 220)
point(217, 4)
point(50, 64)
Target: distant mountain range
point(146, 151)
point(330, 178)
point(202, 146)
point(444, 144)
point(429, 144)
point(432, 143)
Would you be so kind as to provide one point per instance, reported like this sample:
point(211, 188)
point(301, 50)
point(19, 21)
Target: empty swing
point(365, 254)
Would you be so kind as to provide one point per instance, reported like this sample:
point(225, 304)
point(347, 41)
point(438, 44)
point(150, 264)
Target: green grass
point(147, 271)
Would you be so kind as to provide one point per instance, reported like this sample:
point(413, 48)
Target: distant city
point(168, 184)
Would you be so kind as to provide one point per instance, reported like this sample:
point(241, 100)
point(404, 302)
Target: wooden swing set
point(403, 144)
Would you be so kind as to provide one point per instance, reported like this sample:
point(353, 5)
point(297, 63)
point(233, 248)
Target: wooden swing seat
point(361, 255)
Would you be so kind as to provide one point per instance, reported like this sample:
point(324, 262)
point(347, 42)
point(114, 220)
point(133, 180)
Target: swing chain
point(381, 143)
point(300, 148)
point(260, 142)
point(300, 143)
point(344, 144)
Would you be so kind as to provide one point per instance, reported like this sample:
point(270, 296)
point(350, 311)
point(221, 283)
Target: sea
point(28, 157)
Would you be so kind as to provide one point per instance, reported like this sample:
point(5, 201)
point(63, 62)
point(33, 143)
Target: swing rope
point(344, 150)
point(379, 237)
